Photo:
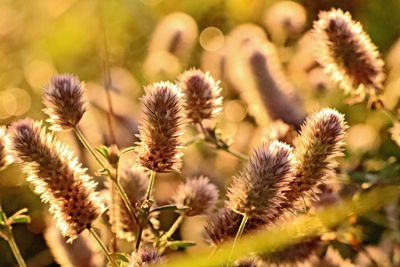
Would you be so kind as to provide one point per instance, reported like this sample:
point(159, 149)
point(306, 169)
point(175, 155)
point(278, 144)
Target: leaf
point(103, 150)
point(177, 244)
point(171, 207)
point(128, 149)
point(121, 257)
point(3, 217)
point(20, 219)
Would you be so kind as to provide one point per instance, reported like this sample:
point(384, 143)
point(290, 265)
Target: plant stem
point(238, 235)
point(150, 185)
point(15, 249)
point(124, 197)
point(208, 137)
point(103, 246)
point(171, 231)
point(86, 144)
point(145, 208)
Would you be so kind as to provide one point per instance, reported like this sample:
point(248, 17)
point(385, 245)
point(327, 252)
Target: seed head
point(224, 225)
point(202, 95)
point(5, 158)
point(348, 55)
point(258, 191)
point(198, 194)
point(57, 176)
point(134, 182)
point(319, 143)
point(162, 128)
point(145, 257)
point(81, 253)
point(65, 102)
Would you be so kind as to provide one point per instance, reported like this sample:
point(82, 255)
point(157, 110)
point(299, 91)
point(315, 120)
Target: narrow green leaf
point(123, 257)
point(103, 150)
point(171, 207)
point(21, 218)
point(3, 218)
point(128, 149)
point(177, 244)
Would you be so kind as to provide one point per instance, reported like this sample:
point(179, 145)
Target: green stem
point(207, 137)
point(103, 246)
point(127, 203)
point(150, 185)
point(171, 231)
point(86, 144)
point(145, 208)
point(15, 249)
point(238, 235)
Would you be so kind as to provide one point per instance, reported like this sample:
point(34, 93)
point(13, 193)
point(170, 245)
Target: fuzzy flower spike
point(202, 95)
point(348, 55)
point(161, 130)
point(321, 140)
point(57, 176)
point(258, 191)
point(65, 101)
point(198, 194)
point(5, 158)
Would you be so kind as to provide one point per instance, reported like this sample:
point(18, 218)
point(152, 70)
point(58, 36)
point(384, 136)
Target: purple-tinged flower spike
point(134, 182)
point(57, 176)
point(248, 262)
point(65, 102)
point(5, 158)
point(82, 252)
point(258, 191)
point(162, 127)
point(224, 224)
point(348, 55)
point(293, 254)
point(202, 95)
point(321, 140)
point(145, 257)
point(198, 194)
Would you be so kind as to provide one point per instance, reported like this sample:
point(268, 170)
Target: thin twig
point(103, 247)
point(14, 248)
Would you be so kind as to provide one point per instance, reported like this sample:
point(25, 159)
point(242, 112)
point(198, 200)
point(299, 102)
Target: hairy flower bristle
point(81, 253)
point(258, 191)
point(146, 256)
point(321, 140)
point(56, 175)
point(348, 55)
point(247, 262)
point(224, 224)
point(162, 128)
point(65, 101)
point(5, 158)
point(296, 253)
point(134, 181)
point(202, 95)
point(198, 194)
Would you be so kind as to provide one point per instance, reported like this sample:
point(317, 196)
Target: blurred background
point(126, 44)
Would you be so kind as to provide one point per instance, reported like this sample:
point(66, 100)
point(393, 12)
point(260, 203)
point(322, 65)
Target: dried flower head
point(293, 254)
point(202, 95)
point(81, 253)
point(162, 128)
point(5, 158)
point(198, 194)
point(224, 225)
point(348, 55)
point(258, 191)
point(65, 102)
point(319, 143)
point(57, 176)
point(146, 256)
point(134, 182)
